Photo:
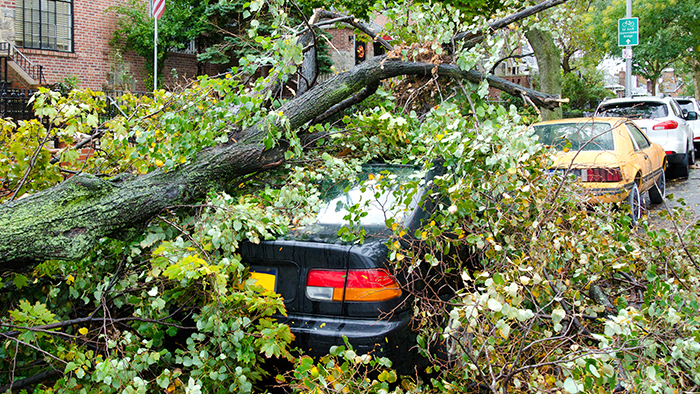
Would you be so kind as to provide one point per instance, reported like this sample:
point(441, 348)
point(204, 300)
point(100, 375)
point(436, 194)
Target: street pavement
point(676, 189)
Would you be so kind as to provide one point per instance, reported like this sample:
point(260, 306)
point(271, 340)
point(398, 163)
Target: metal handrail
point(35, 71)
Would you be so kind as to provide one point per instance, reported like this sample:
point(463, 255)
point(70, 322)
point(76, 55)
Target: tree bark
point(549, 64)
point(66, 221)
point(696, 78)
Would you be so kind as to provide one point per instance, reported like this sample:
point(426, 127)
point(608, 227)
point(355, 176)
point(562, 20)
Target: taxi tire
point(657, 193)
point(634, 200)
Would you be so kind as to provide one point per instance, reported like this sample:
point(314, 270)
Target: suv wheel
point(691, 152)
point(680, 170)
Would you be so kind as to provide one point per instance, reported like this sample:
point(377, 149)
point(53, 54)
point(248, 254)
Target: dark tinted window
point(642, 110)
point(577, 136)
point(44, 24)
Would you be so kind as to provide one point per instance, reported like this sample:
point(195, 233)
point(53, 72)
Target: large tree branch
point(67, 221)
point(473, 38)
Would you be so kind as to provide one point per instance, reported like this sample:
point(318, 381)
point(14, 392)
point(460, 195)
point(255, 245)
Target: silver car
point(664, 122)
point(690, 104)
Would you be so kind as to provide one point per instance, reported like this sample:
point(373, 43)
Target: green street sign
point(627, 31)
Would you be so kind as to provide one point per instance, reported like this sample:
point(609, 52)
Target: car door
point(649, 159)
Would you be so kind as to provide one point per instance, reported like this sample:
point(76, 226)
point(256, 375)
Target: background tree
point(689, 18)
point(585, 90)
point(663, 38)
point(549, 65)
point(219, 31)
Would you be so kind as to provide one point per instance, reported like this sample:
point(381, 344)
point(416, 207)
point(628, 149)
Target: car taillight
point(604, 175)
point(667, 125)
point(364, 285)
point(670, 152)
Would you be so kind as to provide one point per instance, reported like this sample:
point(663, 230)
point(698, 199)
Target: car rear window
point(576, 136)
point(378, 194)
point(636, 109)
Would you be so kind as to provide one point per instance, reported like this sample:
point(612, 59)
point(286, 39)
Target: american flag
point(157, 9)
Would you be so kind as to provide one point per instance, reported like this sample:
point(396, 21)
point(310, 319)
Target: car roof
point(593, 119)
point(636, 99)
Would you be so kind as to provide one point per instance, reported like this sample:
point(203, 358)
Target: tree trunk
point(696, 78)
point(66, 221)
point(549, 64)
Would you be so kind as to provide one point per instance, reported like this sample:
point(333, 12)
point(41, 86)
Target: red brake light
point(352, 285)
point(670, 152)
point(604, 175)
point(666, 125)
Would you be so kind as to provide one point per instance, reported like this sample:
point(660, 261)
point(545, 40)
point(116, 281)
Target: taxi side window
point(641, 140)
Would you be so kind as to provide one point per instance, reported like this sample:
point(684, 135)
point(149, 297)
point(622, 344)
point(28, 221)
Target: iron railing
point(14, 103)
point(36, 71)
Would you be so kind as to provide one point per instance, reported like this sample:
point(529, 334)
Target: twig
point(32, 162)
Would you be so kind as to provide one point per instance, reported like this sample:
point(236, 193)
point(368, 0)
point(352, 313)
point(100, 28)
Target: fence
point(14, 103)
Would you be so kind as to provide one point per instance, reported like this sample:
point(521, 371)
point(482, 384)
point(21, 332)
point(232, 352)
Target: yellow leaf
point(83, 331)
point(70, 279)
point(159, 163)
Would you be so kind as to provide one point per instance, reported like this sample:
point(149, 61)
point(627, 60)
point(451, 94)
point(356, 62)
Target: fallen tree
point(85, 208)
point(565, 296)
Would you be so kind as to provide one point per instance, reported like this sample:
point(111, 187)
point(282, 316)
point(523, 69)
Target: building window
point(44, 24)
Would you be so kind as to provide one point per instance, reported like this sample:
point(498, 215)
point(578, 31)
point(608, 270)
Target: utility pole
point(628, 61)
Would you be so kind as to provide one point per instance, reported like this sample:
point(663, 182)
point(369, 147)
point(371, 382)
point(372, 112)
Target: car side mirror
point(692, 115)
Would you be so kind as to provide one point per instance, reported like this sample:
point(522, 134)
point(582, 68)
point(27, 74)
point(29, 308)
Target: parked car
point(333, 289)
point(663, 121)
point(611, 157)
point(688, 105)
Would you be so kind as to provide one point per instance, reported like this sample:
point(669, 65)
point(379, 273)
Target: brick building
point(348, 49)
point(70, 40)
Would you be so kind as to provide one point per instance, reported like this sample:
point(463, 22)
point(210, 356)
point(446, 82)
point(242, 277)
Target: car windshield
point(686, 105)
point(635, 109)
point(577, 136)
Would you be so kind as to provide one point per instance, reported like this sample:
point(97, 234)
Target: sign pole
point(628, 61)
point(155, 56)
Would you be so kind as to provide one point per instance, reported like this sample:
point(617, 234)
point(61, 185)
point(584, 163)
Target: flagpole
point(155, 56)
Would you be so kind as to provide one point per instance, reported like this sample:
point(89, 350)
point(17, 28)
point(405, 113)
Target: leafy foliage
point(584, 89)
point(219, 30)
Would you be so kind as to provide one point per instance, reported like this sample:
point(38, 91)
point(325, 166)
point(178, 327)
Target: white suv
point(690, 104)
point(663, 121)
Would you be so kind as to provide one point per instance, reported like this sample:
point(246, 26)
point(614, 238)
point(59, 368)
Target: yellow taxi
point(611, 157)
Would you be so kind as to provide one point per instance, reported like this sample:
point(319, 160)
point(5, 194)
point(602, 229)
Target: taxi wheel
point(657, 193)
point(635, 202)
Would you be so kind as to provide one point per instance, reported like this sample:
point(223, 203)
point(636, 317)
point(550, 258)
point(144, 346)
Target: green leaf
point(20, 281)
point(571, 386)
